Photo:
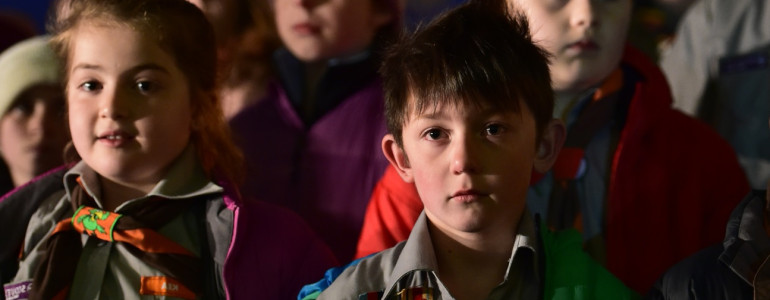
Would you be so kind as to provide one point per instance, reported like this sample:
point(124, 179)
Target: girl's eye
point(493, 129)
point(91, 86)
point(146, 86)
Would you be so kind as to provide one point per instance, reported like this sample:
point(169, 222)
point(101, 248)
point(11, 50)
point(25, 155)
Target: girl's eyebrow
point(142, 67)
point(149, 66)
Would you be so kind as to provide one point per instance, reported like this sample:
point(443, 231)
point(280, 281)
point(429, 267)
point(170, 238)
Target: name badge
point(743, 63)
point(17, 291)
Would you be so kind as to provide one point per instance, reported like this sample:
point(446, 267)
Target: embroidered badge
point(418, 293)
point(743, 63)
point(95, 222)
point(164, 286)
point(370, 296)
point(17, 291)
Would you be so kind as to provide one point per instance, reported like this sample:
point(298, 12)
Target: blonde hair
point(183, 32)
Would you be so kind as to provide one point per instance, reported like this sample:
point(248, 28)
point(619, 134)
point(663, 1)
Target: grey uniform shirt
point(107, 270)
point(410, 267)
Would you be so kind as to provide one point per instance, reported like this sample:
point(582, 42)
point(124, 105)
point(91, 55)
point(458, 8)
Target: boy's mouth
point(467, 196)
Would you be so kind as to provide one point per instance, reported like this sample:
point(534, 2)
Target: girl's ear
point(551, 141)
point(397, 157)
point(380, 17)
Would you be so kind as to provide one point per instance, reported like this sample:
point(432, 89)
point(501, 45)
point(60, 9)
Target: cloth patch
point(17, 291)
point(371, 296)
point(418, 293)
point(164, 286)
point(95, 222)
point(743, 63)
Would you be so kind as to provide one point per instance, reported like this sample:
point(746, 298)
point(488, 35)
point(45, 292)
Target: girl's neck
point(472, 264)
point(313, 73)
point(114, 194)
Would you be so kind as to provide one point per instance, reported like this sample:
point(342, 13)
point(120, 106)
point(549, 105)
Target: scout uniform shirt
point(408, 270)
point(107, 270)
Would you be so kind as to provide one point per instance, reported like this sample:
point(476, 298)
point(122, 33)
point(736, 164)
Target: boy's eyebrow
point(435, 115)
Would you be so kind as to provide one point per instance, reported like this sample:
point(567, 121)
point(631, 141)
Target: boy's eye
point(23, 107)
point(91, 86)
point(493, 129)
point(433, 134)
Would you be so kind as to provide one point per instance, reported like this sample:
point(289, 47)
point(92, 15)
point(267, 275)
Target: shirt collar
point(184, 179)
point(418, 253)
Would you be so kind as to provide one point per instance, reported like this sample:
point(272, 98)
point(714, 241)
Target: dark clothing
point(729, 270)
point(322, 161)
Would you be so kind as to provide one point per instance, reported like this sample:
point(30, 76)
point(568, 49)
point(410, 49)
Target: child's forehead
point(465, 106)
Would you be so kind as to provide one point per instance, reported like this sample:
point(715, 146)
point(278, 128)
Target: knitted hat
point(24, 65)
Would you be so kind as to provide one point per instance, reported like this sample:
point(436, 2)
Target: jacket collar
point(342, 78)
point(746, 243)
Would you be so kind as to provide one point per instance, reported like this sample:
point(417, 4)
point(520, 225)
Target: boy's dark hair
point(475, 54)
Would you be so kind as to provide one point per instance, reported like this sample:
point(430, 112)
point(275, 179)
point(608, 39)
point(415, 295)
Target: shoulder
point(274, 250)
point(701, 276)
point(369, 276)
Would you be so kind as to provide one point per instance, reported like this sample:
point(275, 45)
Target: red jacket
point(673, 184)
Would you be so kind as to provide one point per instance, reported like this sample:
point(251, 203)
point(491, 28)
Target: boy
point(468, 105)
point(645, 184)
point(312, 144)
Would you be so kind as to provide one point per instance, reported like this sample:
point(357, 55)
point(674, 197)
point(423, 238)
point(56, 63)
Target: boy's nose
point(464, 156)
point(584, 13)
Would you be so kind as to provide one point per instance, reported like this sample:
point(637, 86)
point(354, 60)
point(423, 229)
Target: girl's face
point(317, 30)
point(32, 132)
point(585, 37)
point(129, 104)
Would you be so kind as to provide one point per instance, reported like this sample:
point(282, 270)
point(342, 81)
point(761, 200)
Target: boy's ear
point(551, 142)
point(397, 157)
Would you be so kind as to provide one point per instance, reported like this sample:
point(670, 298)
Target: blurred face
point(129, 104)
point(471, 166)
point(585, 37)
point(32, 132)
point(318, 30)
point(222, 14)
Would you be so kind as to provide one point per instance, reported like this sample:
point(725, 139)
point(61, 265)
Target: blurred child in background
point(32, 126)
point(312, 144)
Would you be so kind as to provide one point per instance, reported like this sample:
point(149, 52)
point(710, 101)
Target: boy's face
point(129, 104)
point(585, 37)
point(471, 166)
point(318, 30)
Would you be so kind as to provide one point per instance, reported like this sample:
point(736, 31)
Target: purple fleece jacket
point(326, 171)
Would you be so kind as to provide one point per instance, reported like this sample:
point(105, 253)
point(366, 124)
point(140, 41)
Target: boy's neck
point(472, 264)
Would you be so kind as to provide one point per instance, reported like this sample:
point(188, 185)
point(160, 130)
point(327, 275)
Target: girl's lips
point(115, 138)
point(583, 45)
point(306, 29)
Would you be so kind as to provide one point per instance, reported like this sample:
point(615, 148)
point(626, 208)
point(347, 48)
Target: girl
point(151, 209)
